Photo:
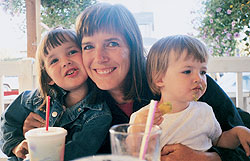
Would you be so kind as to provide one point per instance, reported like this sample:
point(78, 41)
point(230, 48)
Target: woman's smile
point(105, 70)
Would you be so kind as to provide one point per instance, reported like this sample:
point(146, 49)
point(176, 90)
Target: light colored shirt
point(195, 127)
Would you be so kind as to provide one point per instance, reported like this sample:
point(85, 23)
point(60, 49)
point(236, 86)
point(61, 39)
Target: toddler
point(176, 70)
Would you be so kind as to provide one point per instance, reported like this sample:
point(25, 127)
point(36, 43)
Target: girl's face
point(64, 66)
point(184, 80)
point(106, 58)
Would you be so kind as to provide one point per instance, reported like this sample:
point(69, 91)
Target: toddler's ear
point(159, 82)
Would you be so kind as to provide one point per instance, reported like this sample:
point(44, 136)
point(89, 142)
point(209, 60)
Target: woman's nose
point(101, 55)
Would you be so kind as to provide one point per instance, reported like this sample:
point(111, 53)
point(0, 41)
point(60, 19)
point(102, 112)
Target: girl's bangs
point(54, 40)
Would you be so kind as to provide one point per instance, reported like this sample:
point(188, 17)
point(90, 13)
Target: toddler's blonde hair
point(158, 56)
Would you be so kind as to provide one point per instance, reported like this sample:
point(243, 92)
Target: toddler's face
point(185, 79)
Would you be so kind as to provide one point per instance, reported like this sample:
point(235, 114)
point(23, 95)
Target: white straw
point(149, 124)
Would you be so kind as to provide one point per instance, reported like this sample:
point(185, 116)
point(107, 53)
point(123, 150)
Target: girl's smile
point(72, 72)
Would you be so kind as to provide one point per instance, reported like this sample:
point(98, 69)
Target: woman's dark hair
point(119, 20)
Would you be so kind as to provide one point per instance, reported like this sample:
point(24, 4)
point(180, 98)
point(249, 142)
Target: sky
point(9, 30)
point(12, 39)
point(170, 17)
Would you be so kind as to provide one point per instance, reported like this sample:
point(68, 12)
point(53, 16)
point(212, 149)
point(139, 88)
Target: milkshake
point(46, 145)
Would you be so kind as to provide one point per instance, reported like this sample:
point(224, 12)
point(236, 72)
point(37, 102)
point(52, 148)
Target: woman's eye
point(88, 47)
point(187, 72)
point(113, 44)
point(53, 61)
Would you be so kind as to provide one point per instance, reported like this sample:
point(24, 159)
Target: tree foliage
point(53, 12)
point(225, 26)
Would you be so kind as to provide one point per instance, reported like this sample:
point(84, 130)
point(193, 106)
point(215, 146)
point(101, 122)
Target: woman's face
point(106, 58)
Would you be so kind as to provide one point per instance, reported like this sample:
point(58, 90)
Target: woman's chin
point(104, 86)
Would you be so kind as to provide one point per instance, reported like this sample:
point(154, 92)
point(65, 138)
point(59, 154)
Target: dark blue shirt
point(87, 123)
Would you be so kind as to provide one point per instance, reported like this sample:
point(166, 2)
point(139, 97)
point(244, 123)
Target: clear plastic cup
point(126, 139)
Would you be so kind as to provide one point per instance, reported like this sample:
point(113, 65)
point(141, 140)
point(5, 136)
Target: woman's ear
point(51, 82)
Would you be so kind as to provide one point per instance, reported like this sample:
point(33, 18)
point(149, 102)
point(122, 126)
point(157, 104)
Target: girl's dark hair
point(119, 20)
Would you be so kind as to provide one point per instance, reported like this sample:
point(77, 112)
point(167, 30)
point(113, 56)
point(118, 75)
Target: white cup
point(46, 145)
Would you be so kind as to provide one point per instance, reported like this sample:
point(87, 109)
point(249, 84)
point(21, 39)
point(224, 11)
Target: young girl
point(73, 105)
point(176, 70)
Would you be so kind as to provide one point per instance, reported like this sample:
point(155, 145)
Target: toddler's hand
point(158, 117)
point(244, 137)
point(141, 117)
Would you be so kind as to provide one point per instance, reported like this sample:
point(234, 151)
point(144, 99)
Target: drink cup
point(46, 145)
point(109, 158)
point(126, 139)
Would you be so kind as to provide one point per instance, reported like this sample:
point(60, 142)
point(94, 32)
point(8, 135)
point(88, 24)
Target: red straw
point(47, 113)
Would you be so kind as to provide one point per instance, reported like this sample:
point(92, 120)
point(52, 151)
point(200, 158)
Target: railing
point(236, 65)
point(25, 71)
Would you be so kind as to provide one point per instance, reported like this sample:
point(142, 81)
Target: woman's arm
point(11, 125)
point(227, 115)
point(224, 109)
point(179, 152)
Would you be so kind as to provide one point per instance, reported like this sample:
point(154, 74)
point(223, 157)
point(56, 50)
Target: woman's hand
point(179, 152)
point(21, 149)
point(33, 121)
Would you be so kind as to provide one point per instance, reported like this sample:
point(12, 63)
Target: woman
point(113, 56)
